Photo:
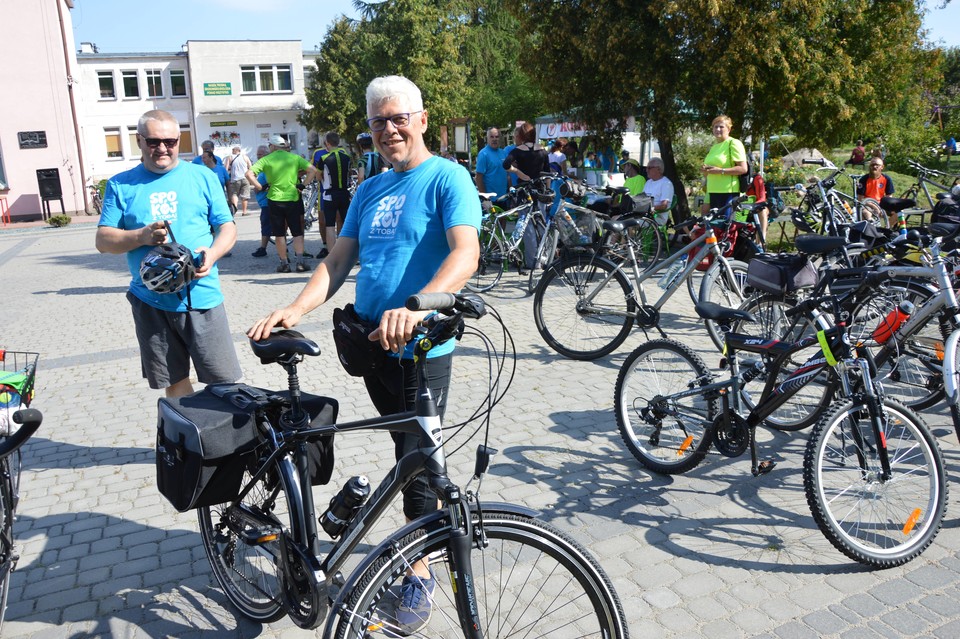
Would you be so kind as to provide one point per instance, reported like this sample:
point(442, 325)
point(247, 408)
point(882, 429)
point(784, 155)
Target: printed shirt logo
point(387, 216)
point(163, 206)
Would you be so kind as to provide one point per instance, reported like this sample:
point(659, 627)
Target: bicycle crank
point(731, 435)
point(647, 316)
point(300, 578)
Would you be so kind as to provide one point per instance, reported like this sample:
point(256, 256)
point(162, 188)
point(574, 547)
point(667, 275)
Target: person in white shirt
point(660, 189)
point(238, 189)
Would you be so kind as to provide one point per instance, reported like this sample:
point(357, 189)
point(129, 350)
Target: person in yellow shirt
point(726, 161)
point(634, 180)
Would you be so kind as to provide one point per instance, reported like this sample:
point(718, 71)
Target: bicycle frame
point(923, 180)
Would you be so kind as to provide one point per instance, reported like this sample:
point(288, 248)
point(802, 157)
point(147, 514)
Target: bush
point(57, 221)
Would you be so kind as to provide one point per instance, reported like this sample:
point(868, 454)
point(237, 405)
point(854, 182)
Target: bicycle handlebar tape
point(431, 302)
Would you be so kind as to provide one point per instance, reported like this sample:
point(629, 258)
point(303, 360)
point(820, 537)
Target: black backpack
point(746, 178)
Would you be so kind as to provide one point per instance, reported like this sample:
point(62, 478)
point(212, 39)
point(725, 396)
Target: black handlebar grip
point(431, 302)
point(817, 161)
point(29, 417)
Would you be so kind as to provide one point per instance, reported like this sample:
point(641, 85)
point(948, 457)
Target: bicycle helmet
point(167, 268)
point(804, 221)
point(365, 139)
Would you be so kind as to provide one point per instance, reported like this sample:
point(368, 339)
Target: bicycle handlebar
point(31, 419)
point(469, 304)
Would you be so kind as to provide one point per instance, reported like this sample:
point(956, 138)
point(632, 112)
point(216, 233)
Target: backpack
point(372, 164)
point(747, 178)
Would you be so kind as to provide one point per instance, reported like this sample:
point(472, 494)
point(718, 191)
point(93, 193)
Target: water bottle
point(345, 505)
point(520, 228)
point(668, 278)
point(892, 322)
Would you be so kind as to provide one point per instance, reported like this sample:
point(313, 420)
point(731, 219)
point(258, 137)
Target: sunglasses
point(399, 120)
point(167, 142)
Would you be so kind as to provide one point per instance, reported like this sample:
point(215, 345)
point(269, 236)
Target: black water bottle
point(345, 505)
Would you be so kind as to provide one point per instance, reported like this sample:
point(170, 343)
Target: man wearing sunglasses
point(876, 184)
point(139, 207)
point(415, 230)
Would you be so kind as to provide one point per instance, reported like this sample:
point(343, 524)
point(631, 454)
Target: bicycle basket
point(18, 372)
point(577, 228)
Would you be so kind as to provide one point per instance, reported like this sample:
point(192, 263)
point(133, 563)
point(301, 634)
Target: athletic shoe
point(323, 253)
point(302, 267)
point(307, 255)
point(260, 252)
point(416, 603)
point(284, 267)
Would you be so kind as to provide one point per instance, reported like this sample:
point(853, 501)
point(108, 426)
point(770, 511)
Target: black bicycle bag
point(207, 439)
point(781, 274)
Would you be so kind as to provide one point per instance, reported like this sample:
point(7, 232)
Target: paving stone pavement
point(714, 552)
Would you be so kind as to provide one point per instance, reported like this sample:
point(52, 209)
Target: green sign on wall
point(217, 88)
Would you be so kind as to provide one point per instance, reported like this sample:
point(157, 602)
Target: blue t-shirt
point(199, 160)
point(400, 222)
point(221, 174)
point(191, 199)
point(490, 166)
point(262, 194)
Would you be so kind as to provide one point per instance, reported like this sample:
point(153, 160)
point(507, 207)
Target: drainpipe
point(73, 106)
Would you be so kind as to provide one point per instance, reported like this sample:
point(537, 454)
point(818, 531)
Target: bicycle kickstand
point(758, 468)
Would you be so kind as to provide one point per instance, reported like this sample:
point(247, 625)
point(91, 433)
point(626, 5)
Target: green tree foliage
point(824, 69)
point(335, 86)
point(948, 94)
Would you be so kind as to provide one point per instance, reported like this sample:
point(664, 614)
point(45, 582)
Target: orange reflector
point(939, 348)
point(685, 445)
point(375, 626)
point(711, 239)
point(266, 538)
point(911, 521)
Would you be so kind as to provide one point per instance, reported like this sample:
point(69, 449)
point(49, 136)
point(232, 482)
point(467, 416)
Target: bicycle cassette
point(731, 436)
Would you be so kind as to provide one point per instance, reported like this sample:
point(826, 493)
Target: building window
point(154, 84)
point(132, 136)
point(186, 140)
point(131, 86)
point(266, 78)
point(178, 83)
point(3, 174)
point(112, 138)
point(107, 90)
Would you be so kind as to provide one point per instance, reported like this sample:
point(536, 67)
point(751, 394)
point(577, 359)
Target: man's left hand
point(205, 260)
point(396, 328)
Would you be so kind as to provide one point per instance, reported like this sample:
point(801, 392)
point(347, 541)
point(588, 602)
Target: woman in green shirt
point(725, 163)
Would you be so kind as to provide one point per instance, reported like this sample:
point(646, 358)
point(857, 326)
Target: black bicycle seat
point(282, 345)
point(618, 226)
point(896, 204)
point(722, 314)
point(811, 244)
point(943, 229)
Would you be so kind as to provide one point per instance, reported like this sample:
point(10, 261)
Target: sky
point(122, 26)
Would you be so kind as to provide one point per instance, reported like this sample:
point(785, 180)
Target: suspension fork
point(878, 421)
point(461, 569)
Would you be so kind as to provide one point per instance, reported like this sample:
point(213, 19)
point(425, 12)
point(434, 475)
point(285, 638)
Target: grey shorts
point(240, 188)
point(170, 340)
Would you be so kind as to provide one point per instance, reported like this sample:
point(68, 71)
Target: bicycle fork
point(878, 421)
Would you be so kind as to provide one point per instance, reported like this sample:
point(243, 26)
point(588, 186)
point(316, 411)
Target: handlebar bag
point(781, 274)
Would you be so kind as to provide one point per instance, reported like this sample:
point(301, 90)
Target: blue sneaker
point(416, 603)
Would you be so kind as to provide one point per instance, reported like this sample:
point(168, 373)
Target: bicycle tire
point(665, 435)
point(249, 574)
point(648, 243)
point(546, 255)
point(812, 401)
point(905, 512)
point(562, 317)
point(7, 549)
point(529, 576)
point(490, 266)
point(715, 288)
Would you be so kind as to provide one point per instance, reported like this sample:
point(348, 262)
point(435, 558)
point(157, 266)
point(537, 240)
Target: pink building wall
point(35, 95)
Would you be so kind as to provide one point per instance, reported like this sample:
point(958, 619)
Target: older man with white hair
point(660, 188)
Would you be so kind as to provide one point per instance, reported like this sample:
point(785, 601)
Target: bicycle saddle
point(943, 230)
point(282, 345)
point(896, 204)
point(811, 244)
point(618, 226)
point(722, 314)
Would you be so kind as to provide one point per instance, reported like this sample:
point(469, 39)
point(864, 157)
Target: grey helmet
point(167, 268)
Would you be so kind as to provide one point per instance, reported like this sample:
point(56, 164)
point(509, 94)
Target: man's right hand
point(284, 318)
point(153, 234)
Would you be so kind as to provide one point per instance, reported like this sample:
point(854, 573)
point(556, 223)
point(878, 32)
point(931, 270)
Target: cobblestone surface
point(714, 552)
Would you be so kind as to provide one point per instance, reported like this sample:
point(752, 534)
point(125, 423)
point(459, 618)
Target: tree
point(824, 69)
point(335, 86)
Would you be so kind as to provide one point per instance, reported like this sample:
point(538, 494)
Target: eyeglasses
point(652, 166)
point(167, 142)
point(876, 166)
point(399, 120)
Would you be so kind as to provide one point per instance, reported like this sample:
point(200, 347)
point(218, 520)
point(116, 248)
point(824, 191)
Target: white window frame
point(157, 74)
point(124, 74)
point(102, 73)
point(113, 130)
point(183, 74)
point(274, 69)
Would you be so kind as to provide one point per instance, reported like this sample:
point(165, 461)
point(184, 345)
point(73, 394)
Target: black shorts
point(284, 215)
point(339, 202)
point(393, 389)
point(720, 200)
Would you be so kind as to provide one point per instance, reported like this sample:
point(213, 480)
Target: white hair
point(388, 88)
point(151, 116)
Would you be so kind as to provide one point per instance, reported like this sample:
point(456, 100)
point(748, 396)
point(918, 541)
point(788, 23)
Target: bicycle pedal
point(765, 467)
point(259, 537)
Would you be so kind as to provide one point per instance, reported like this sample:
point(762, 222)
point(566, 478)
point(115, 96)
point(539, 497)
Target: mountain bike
point(586, 304)
point(17, 377)
point(496, 247)
point(924, 181)
point(504, 573)
point(873, 474)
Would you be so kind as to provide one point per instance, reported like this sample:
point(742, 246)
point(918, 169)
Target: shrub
point(57, 221)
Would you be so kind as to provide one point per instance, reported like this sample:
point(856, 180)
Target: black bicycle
point(504, 573)
point(873, 474)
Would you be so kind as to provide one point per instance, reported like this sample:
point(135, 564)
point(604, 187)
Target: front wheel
point(881, 522)
point(584, 307)
point(717, 288)
point(7, 550)
point(247, 568)
point(529, 579)
point(663, 420)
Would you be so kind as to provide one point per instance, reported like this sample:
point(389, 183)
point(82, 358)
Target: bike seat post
point(298, 418)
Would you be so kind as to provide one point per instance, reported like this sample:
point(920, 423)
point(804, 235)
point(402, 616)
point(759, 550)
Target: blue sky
point(117, 26)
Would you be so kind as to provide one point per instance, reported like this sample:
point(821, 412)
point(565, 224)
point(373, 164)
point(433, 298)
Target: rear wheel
point(490, 267)
point(667, 433)
point(575, 315)
point(530, 580)
point(245, 557)
point(877, 521)
point(546, 255)
point(717, 288)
